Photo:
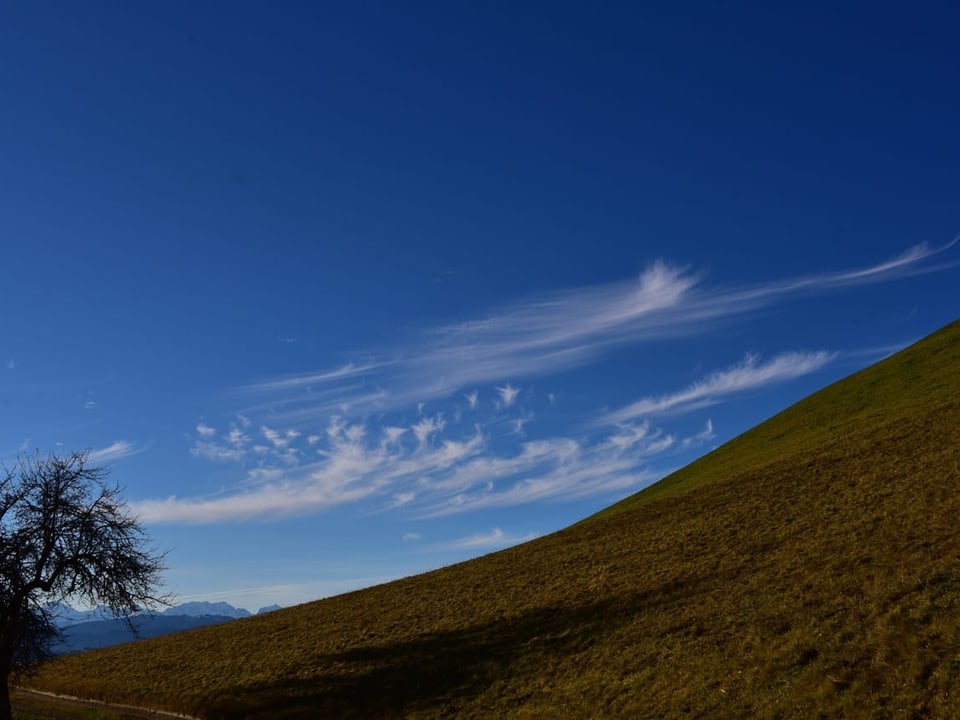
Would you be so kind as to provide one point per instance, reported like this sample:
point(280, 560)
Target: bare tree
point(65, 535)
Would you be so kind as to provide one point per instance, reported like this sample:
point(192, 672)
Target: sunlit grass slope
point(809, 568)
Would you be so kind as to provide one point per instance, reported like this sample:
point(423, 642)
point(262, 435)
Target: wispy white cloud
point(237, 446)
point(426, 475)
point(427, 427)
point(218, 452)
point(519, 423)
point(496, 538)
point(273, 437)
point(288, 593)
point(706, 435)
point(746, 375)
point(548, 334)
point(392, 435)
point(558, 469)
point(11, 364)
point(114, 451)
point(628, 435)
point(353, 465)
point(907, 263)
point(429, 464)
point(411, 537)
point(508, 395)
point(350, 370)
point(403, 498)
point(874, 354)
point(277, 501)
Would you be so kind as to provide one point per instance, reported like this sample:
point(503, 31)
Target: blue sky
point(341, 294)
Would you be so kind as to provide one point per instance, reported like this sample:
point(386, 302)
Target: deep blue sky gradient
point(199, 197)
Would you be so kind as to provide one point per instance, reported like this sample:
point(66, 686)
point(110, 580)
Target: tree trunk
point(6, 713)
point(8, 631)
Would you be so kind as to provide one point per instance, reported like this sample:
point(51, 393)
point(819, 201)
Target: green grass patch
point(809, 568)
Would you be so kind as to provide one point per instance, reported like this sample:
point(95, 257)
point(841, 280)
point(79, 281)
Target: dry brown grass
point(809, 568)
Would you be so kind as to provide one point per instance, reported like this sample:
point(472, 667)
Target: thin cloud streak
point(319, 378)
point(746, 375)
point(550, 334)
point(876, 354)
point(291, 593)
point(114, 451)
point(496, 538)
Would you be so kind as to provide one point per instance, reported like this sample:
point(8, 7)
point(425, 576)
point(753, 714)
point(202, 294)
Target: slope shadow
point(438, 671)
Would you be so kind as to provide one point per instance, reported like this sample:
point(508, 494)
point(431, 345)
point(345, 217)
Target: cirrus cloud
point(746, 375)
point(548, 334)
point(379, 446)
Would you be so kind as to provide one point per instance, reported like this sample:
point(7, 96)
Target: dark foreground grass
point(30, 707)
point(809, 568)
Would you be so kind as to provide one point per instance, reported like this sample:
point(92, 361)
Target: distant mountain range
point(199, 609)
point(97, 628)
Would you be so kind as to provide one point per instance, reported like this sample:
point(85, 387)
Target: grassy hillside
point(809, 568)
